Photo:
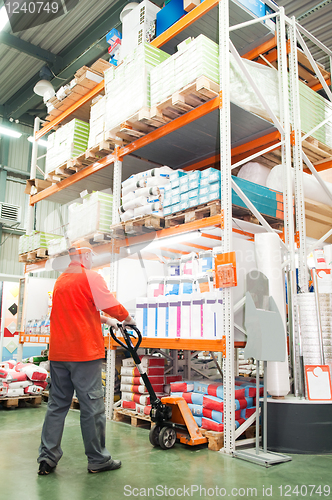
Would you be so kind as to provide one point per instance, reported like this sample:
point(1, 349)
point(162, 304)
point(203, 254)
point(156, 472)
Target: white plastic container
point(156, 286)
point(173, 267)
point(189, 264)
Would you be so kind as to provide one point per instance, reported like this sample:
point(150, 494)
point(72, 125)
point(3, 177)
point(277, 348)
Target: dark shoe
point(45, 468)
point(115, 464)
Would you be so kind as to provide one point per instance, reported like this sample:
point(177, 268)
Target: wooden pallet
point(73, 165)
point(196, 213)
point(132, 418)
point(20, 401)
point(33, 256)
point(215, 439)
point(96, 238)
point(133, 128)
point(138, 226)
point(245, 214)
point(189, 97)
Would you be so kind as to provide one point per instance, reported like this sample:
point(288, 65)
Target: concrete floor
point(179, 472)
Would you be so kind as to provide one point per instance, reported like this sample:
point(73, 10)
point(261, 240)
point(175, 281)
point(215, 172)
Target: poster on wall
point(9, 333)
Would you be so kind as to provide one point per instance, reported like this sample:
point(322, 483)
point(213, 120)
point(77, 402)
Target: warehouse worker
point(76, 352)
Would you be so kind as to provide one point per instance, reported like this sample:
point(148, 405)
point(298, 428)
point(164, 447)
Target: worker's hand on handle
point(129, 321)
point(112, 322)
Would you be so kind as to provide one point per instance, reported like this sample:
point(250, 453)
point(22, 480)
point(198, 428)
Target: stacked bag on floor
point(206, 402)
point(17, 379)
point(143, 193)
point(134, 394)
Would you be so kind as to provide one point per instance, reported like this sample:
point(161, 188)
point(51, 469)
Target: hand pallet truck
point(171, 414)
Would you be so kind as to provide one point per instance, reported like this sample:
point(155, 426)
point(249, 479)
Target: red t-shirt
point(75, 327)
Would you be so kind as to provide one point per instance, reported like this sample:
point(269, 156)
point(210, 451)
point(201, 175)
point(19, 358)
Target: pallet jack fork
point(170, 414)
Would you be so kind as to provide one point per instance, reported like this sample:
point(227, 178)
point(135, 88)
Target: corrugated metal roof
point(19, 149)
point(9, 263)
point(17, 70)
point(318, 21)
point(57, 34)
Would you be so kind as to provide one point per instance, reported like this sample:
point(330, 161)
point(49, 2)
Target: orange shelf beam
point(171, 126)
point(319, 86)
point(176, 343)
point(184, 22)
point(323, 165)
point(261, 49)
point(84, 99)
point(82, 174)
point(245, 149)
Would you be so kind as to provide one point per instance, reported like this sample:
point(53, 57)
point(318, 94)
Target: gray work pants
point(85, 378)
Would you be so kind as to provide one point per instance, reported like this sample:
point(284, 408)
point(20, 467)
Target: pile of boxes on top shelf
point(84, 80)
point(134, 394)
point(184, 304)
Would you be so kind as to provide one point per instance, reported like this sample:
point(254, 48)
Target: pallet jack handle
point(129, 346)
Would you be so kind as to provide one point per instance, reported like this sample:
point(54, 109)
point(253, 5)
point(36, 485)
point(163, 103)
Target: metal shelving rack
point(219, 114)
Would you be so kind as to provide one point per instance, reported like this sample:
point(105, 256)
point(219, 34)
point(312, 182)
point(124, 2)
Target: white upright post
point(299, 208)
point(226, 241)
point(33, 170)
point(110, 358)
point(277, 376)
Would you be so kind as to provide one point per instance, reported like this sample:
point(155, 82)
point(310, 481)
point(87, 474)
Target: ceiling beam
point(84, 50)
point(32, 50)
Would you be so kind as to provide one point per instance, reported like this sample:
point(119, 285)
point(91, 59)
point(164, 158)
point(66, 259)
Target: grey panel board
point(208, 26)
point(200, 139)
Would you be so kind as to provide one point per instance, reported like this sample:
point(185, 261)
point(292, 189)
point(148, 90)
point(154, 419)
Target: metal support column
point(299, 210)
point(110, 357)
point(297, 156)
point(226, 206)
point(34, 155)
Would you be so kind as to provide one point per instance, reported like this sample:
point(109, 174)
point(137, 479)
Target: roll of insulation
point(147, 191)
point(254, 172)
point(129, 214)
point(157, 181)
point(147, 209)
point(136, 202)
point(132, 186)
point(268, 259)
point(128, 197)
point(158, 172)
point(311, 187)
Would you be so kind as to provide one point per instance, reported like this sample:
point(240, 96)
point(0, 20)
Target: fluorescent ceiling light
point(40, 141)
point(10, 132)
point(3, 17)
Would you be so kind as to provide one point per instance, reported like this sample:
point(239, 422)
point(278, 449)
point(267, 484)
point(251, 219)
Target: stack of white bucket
point(143, 193)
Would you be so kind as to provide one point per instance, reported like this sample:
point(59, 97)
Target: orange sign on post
point(225, 270)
